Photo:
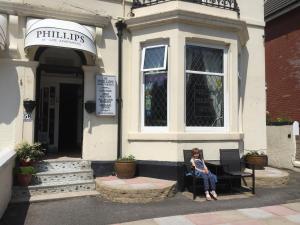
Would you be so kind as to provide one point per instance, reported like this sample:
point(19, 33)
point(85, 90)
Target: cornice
point(21, 9)
point(184, 16)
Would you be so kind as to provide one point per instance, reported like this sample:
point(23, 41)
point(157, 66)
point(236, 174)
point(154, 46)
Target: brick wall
point(283, 65)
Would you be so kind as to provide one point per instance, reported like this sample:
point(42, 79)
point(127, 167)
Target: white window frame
point(153, 129)
point(164, 67)
point(225, 128)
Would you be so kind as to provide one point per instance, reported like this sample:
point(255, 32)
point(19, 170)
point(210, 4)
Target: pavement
point(286, 214)
point(93, 210)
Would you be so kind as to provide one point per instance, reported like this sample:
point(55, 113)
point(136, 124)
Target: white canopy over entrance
point(3, 30)
point(60, 33)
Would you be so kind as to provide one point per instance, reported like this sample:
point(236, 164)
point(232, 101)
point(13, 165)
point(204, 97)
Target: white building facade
point(193, 75)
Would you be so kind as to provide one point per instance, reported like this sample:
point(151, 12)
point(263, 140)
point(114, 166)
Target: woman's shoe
point(214, 195)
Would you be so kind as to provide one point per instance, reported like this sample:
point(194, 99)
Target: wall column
point(29, 84)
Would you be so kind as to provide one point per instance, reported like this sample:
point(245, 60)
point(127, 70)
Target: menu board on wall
point(105, 95)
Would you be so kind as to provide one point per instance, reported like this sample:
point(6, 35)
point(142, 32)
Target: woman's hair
point(197, 151)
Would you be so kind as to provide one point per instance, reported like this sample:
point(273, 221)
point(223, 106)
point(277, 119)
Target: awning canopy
point(60, 33)
point(3, 31)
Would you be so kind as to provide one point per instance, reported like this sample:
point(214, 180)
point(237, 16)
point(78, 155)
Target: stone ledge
point(269, 178)
point(136, 190)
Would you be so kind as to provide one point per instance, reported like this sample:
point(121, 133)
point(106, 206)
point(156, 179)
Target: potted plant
point(125, 167)
point(279, 121)
point(258, 159)
point(24, 175)
point(27, 154)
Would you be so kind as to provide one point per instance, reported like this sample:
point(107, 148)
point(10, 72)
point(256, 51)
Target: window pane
point(204, 59)
point(155, 102)
point(204, 100)
point(154, 58)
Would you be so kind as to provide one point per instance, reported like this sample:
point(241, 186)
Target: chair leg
point(253, 180)
point(194, 188)
point(230, 183)
point(253, 184)
point(244, 181)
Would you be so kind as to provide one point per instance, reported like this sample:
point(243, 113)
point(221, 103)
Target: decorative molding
point(188, 136)
point(28, 10)
point(19, 62)
point(189, 17)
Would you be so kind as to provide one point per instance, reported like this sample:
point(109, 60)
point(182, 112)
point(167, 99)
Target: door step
point(35, 190)
point(56, 178)
point(62, 165)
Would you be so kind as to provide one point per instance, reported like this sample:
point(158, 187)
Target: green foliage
point(28, 152)
point(25, 170)
point(283, 119)
point(127, 158)
point(254, 153)
point(270, 120)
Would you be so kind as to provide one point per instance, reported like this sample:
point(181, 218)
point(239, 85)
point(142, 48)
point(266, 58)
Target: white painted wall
point(246, 124)
point(281, 149)
point(7, 157)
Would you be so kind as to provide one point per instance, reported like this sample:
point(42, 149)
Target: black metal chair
point(189, 172)
point(232, 165)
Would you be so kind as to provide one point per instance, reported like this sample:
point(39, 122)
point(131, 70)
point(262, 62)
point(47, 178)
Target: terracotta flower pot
point(125, 169)
point(259, 161)
point(24, 179)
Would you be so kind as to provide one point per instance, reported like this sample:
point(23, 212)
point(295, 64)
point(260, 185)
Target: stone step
point(42, 189)
point(62, 165)
point(59, 177)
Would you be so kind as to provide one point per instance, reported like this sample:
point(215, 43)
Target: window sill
point(234, 136)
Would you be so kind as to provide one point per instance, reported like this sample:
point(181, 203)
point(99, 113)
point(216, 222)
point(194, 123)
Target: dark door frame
point(54, 69)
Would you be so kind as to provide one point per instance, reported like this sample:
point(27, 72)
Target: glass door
point(48, 116)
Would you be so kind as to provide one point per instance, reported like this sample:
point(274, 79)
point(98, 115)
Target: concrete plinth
point(269, 177)
point(135, 190)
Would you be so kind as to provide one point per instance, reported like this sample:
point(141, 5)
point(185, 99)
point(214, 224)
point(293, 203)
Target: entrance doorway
point(59, 94)
point(70, 119)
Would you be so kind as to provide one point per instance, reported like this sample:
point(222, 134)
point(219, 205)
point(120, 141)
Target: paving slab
point(249, 216)
point(174, 220)
point(294, 206)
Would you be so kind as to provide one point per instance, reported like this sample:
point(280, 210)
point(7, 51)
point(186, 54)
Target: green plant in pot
point(27, 154)
point(125, 167)
point(24, 175)
point(258, 159)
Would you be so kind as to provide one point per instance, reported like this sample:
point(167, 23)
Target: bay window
point(205, 86)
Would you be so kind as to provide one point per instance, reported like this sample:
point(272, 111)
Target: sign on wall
point(105, 95)
point(60, 33)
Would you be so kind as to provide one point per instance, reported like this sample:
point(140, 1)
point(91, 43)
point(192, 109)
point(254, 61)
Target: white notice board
point(105, 95)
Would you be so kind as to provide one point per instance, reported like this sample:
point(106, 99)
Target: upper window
point(154, 58)
point(204, 86)
point(155, 87)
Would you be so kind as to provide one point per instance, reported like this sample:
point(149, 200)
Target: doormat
point(221, 197)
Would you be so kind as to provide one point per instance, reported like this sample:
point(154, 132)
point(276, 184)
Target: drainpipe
point(120, 25)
